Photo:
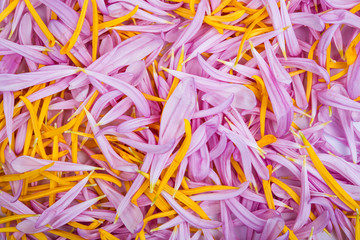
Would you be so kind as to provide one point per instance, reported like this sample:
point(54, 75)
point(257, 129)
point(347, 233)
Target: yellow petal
point(266, 140)
point(8, 10)
point(227, 18)
point(95, 29)
point(34, 121)
point(179, 68)
point(15, 217)
point(41, 24)
point(70, 44)
point(178, 158)
point(330, 180)
point(118, 20)
point(205, 189)
point(224, 26)
point(267, 190)
point(67, 235)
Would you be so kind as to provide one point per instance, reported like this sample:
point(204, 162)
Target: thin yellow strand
point(70, 44)
point(330, 180)
point(40, 22)
point(119, 20)
point(8, 9)
point(178, 158)
point(95, 30)
point(34, 122)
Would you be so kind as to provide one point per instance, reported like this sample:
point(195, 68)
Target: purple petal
point(134, 94)
point(25, 163)
point(304, 209)
point(52, 214)
point(193, 220)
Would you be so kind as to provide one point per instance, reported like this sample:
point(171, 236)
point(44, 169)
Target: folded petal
point(244, 98)
point(16, 207)
point(310, 20)
point(279, 71)
point(340, 16)
point(134, 94)
point(180, 106)
point(315, 226)
point(273, 228)
point(245, 216)
point(308, 65)
point(133, 124)
point(330, 97)
point(132, 216)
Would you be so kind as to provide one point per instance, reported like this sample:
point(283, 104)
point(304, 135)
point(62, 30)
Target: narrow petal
point(215, 110)
point(333, 98)
point(272, 228)
point(304, 209)
point(308, 65)
point(244, 215)
point(9, 111)
point(279, 98)
point(51, 214)
point(133, 124)
point(290, 37)
point(352, 85)
point(194, 26)
point(68, 15)
point(307, 19)
point(324, 43)
point(132, 216)
point(26, 52)
point(280, 73)
point(134, 94)
point(221, 195)
point(26, 163)
point(275, 16)
point(340, 16)
point(16, 82)
point(317, 225)
point(193, 220)
point(118, 110)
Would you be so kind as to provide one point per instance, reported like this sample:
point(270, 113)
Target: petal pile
point(179, 119)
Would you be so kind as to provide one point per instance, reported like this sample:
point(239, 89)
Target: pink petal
point(26, 163)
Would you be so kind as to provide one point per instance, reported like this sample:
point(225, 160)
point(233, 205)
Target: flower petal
point(26, 163)
point(134, 94)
